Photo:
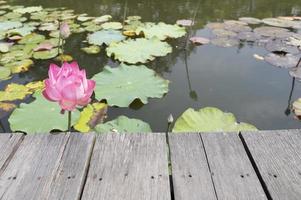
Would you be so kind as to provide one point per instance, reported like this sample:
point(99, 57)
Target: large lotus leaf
point(13, 92)
point(112, 25)
point(140, 50)
point(20, 66)
point(33, 38)
point(44, 55)
point(23, 31)
point(209, 119)
point(9, 25)
point(91, 115)
point(28, 9)
point(122, 85)
point(161, 30)
point(124, 124)
point(40, 116)
point(105, 37)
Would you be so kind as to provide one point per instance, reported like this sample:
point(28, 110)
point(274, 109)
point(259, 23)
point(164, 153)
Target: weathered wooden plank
point(128, 167)
point(8, 145)
point(40, 166)
point(277, 155)
point(190, 173)
point(232, 171)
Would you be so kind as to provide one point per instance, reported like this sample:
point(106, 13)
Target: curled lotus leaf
point(225, 42)
point(112, 25)
point(140, 50)
point(161, 30)
point(13, 92)
point(209, 119)
point(105, 37)
point(124, 124)
point(250, 20)
point(91, 115)
point(27, 117)
point(122, 85)
point(44, 55)
point(283, 61)
point(91, 49)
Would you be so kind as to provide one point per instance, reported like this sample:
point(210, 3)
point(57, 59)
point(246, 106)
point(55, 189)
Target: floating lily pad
point(185, 22)
point(273, 32)
point(44, 55)
point(93, 28)
point(225, 42)
point(215, 25)
point(209, 119)
point(224, 33)
point(121, 86)
point(7, 25)
point(133, 18)
point(91, 49)
point(281, 47)
point(283, 61)
point(102, 19)
point(161, 30)
point(140, 50)
point(238, 28)
point(91, 115)
point(33, 38)
point(40, 116)
point(4, 47)
point(112, 25)
point(248, 36)
point(105, 37)
point(235, 23)
point(294, 41)
point(64, 58)
point(124, 124)
point(278, 22)
point(199, 40)
point(296, 72)
point(14, 92)
point(28, 9)
point(250, 20)
point(35, 86)
point(20, 66)
point(4, 73)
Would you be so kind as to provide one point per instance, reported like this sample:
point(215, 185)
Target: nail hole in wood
point(242, 176)
point(69, 177)
point(126, 174)
point(248, 174)
point(100, 179)
point(14, 178)
point(275, 176)
point(152, 177)
point(160, 175)
point(189, 176)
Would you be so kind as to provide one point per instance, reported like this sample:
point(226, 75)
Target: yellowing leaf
point(91, 116)
point(20, 66)
point(64, 58)
point(7, 106)
point(35, 86)
point(13, 92)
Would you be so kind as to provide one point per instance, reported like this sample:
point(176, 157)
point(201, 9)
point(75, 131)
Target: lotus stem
point(298, 63)
point(69, 121)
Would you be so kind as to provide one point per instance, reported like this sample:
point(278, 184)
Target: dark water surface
point(227, 78)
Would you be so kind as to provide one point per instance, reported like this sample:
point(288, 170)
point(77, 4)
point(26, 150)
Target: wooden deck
point(209, 166)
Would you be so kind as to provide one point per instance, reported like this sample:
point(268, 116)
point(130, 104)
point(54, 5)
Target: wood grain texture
point(278, 158)
point(9, 143)
point(128, 167)
point(37, 170)
point(232, 172)
point(190, 173)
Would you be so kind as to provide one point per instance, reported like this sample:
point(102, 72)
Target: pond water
point(227, 78)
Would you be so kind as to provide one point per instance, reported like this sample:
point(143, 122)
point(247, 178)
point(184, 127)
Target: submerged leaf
point(140, 50)
point(121, 86)
point(124, 124)
point(40, 116)
point(209, 119)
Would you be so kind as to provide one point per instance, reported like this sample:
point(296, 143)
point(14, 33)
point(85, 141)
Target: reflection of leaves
point(40, 116)
point(91, 115)
point(124, 124)
point(121, 86)
point(209, 119)
point(140, 50)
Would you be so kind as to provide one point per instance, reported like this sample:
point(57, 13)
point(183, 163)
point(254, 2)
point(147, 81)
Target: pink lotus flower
point(68, 86)
point(65, 30)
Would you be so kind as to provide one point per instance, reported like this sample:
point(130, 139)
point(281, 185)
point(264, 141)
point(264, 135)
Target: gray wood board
point(9, 143)
point(128, 167)
point(38, 170)
point(232, 172)
point(278, 158)
point(190, 173)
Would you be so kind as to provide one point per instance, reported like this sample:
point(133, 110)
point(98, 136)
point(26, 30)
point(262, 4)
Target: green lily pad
point(91, 49)
point(30, 9)
point(7, 25)
point(122, 85)
point(20, 66)
point(102, 19)
point(13, 92)
point(4, 47)
point(4, 73)
point(23, 31)
point(278, 22)
point(140, 50)
point(161, 30)
point(105, 37)
point(209, 119)
point(124, 124)
point(33, 38)
point(44, 55)
point(112, 25)
point(40, 116)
